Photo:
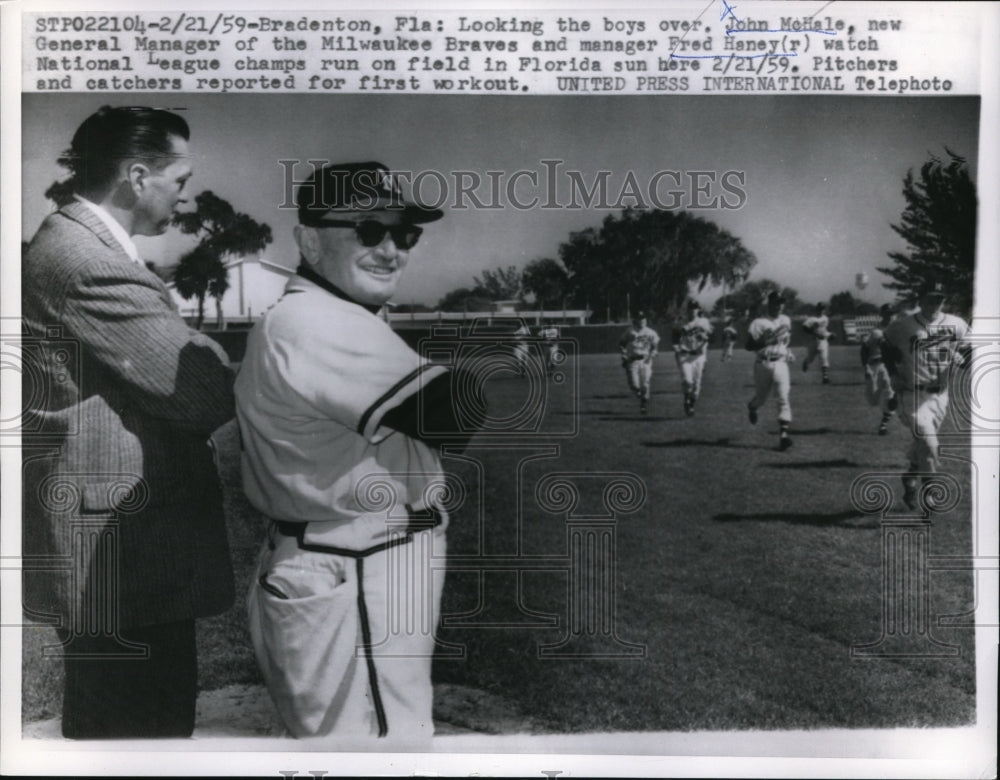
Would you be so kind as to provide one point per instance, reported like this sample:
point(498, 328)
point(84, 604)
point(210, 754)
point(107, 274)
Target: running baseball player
point(638, 346)
point(549, 336)
point(878, 384)
point(819, 328)
point(768, 336)
point(521, 336)
point(729, 338)
point(919, 350)
point(691, 351)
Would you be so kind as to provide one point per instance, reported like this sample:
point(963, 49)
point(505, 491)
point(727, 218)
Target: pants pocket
point(303, 623)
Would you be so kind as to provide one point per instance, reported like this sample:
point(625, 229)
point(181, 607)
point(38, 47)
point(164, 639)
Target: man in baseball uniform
point(768, 336)
point(521, 337)
point(336, 414)
point(638, 346)
point(920, 349)
point(691, 351)
point(729, 338)
point(878, 385)
point(549, 336)
point(818, 327)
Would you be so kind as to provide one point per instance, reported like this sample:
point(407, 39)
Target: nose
point(387, 249)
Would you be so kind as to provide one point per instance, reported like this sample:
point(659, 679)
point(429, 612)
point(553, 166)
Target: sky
point(823, 175)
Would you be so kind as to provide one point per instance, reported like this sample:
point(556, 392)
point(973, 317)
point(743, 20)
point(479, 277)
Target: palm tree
point(224, 232)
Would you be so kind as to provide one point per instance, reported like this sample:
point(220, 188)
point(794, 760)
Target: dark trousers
point(123, 696)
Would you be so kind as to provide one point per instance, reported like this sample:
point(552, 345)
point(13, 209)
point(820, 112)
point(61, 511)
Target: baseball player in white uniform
point(819, 328)
point(521, 336)
point(768, 336)
point(920, 349)
point(691, 351)
point(344, 603)
point(549, 335)
point(878, 384)
point(638, 346)
point(729, 338)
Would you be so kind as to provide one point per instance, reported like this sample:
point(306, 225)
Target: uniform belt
point(419, 520)
point(930, 388)
point(770, 359)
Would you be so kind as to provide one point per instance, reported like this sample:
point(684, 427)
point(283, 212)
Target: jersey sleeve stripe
point(404, 388)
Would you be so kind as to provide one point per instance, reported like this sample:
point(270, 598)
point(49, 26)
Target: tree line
point(640, 259)
point(652, 260)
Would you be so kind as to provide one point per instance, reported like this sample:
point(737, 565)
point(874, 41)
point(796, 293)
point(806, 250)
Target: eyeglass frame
point(391, 230)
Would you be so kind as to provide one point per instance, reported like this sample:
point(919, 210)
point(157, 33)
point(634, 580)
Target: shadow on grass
point(824, 431)
point(724, 442)
point(830, 518)
point(635, 418)
point(816, 464)
point(620, 396)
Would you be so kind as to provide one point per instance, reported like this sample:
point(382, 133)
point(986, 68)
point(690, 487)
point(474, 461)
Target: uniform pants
point(923, 412)
point(109, 695)
point(878, 386)
point(768, 375)
point(691, 367)
point(639, 373)
point(819, 348)
point(521, 355)
point(345, 643)
point(727, 352)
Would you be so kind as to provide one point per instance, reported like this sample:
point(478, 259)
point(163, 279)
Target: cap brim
point(408, 212)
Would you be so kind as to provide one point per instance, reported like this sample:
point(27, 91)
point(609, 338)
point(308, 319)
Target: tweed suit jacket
point(122, 511)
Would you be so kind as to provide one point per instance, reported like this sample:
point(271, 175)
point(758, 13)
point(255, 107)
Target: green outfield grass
point(743, 579)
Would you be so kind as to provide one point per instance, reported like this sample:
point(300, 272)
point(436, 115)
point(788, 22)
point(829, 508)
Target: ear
point(137, 174)
point(308, 243)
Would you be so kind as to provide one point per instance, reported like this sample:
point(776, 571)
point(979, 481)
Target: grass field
point(744, 578)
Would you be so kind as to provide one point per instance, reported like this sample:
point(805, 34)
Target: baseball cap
point(933, 289)
point(693, 305)
point(359, 186)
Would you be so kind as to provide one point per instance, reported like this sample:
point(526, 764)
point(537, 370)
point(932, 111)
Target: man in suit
point(124, 537)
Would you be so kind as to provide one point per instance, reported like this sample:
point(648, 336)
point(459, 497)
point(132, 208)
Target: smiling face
point(159, 190)
point(369, 275)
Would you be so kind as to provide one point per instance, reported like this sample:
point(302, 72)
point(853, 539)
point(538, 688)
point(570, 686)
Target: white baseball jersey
point(926, 348)
point(318, 376)
point(692, 336)
point(773, 335)
point(729, 334)
point(641, 343)
point(819, 327)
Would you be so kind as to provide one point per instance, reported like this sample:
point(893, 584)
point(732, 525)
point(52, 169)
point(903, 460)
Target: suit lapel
point(80, 213)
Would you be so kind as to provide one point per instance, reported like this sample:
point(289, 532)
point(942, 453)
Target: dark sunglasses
point(371, 232)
